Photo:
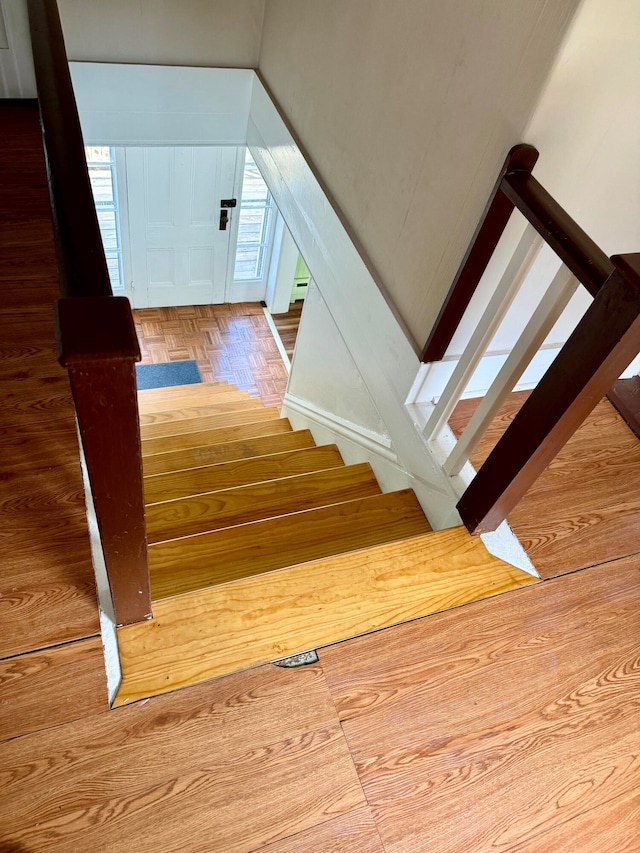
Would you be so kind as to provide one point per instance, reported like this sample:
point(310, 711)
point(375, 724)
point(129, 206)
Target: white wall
point(282, 269)
point(352, 315)
point(587, 129)
point(587, 124)
point(223, 33)
point(324, 371)
point(407, 110)
point(161, 105)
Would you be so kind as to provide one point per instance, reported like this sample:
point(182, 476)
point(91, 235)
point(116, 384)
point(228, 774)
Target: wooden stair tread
point(200, 424)
point(196, 457)
point(205, 409)
point(222, 435)
point(241, 472)
point(174, 392)
point(192, 515)
point(226, 628)
point(223, 395)
point(196, 562)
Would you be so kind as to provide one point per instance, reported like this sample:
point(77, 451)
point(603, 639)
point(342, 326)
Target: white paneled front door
point(178, 254)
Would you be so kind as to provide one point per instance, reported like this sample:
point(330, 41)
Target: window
point(102, 174)
point(255, 225)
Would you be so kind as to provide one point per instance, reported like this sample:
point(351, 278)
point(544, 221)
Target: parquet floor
point(585, 508)
point(230, 343)
point(288, 325)
point(508, 724)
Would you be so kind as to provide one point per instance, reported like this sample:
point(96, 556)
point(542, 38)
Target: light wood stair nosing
point(276, 543)
point(354, 481)
point(292, 440)
point(201, 424)
point(220, 435)
point(238, 472)
point(189, 412)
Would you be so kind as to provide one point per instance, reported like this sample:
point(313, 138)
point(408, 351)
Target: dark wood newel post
point(97, 344)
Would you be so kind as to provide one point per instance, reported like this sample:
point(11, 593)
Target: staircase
point(263, 545)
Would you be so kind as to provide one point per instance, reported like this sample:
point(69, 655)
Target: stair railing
point(601, 347)
point(95, 333)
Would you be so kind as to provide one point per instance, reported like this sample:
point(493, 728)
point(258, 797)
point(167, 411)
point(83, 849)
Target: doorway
point(180, 204)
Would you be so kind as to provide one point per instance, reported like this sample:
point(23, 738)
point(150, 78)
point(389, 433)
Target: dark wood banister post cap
point(95, 328)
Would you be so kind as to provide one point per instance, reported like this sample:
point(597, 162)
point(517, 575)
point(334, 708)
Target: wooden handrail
point(576, 250)
point(521, 160)
point(80, 255)
point(601, 346)
point(96, 335)
point(516, 188)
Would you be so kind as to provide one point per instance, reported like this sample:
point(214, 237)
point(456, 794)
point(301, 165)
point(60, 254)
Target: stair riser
point(227, 555)
point(200, 399)
point(201, 411)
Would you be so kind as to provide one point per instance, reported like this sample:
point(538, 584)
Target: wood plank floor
point(585, 508)
point(229, 766)
point(510, 724)
point(47, 592)
point(506, 724)
point(231, 343)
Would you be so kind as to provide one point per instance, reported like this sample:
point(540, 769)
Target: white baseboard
point(368, 440)
point(277, 339)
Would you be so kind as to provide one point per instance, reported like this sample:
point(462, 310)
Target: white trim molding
point(368, 440)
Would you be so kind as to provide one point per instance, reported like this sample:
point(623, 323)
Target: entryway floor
point(230, 343)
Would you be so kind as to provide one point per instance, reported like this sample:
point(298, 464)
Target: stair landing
point(234, 626)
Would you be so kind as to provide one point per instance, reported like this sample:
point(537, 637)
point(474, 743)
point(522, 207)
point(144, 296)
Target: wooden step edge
point(202, 423)
point(222, 435)
point(328, 456)
point(270, 499)
point(178, 389)
point(213, 632)
point(196, 457)
point(171, 403)
point(206, 409)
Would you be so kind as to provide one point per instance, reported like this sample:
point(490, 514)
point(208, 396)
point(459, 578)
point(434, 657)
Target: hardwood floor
point(508, 724)
point(287, 326)
point(585, 508)
point(505, 724)
point(47, 591)
point(231, 343)
point(230, 766)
